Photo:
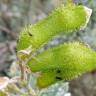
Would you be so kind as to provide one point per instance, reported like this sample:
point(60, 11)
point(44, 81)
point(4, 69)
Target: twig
point(12, 34)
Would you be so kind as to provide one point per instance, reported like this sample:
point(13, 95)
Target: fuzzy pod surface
point(64, 19)
point(64, 62)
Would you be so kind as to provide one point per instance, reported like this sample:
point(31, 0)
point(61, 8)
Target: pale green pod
point(63, 62)
point(64, 19)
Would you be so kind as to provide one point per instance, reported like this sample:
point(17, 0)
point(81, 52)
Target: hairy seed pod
point(63, 62)
point(64, 19)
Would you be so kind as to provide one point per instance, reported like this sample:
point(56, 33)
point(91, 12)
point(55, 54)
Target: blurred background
point(15, 14)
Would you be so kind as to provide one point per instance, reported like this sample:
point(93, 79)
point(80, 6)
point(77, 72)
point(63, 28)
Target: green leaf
point(63, 62)
point(64, 19)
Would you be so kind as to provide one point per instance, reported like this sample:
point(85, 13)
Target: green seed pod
point(63, 62)
point(64, 19)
